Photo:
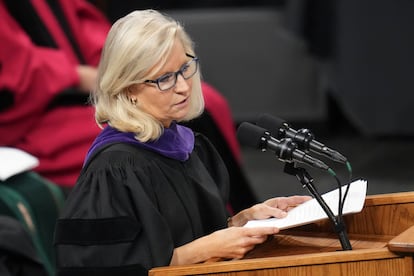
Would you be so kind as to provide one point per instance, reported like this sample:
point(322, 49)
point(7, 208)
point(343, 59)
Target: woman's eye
point(166, 77)
point(185, 68)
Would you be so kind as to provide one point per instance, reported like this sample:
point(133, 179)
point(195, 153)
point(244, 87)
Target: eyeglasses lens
point(187, 71)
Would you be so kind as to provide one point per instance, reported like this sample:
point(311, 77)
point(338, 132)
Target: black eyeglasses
point(168, 81)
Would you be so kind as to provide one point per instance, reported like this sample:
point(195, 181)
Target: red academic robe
point(34, 75)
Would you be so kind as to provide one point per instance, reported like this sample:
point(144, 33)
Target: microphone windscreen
point(270, 123)
point(250, 135)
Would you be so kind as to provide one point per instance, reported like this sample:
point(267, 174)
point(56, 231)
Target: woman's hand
point(228, 243)
point(235, 242)
point(87, 78)
point(286, 203)
point(275, 207)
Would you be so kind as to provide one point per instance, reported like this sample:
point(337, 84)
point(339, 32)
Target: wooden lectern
point(382, 238)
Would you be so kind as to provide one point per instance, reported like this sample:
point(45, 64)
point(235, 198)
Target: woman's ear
point(133, 100)
point(131, 94)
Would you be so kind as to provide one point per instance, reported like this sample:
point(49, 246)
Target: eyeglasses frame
point(157, 80)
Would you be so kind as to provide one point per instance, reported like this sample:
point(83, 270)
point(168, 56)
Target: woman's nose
point(181, 85)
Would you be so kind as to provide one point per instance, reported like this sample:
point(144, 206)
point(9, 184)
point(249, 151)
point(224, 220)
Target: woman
point(152, 193)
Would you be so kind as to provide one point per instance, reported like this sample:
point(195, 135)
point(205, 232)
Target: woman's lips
point(182, 103)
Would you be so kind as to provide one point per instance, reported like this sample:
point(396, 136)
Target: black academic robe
point(131, 207)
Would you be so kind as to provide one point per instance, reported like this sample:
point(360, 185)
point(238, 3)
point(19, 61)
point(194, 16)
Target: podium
point(381, 235)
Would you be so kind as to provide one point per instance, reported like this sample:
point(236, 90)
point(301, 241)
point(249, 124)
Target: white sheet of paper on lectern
point(311, 211)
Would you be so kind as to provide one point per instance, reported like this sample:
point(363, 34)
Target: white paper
point(311, 211)
point(14, 161)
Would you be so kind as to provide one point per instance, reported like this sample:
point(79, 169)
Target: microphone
point(254, 136)
point(302, 137)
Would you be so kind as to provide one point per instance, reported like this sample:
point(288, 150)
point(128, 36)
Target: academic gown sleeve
point(26, 72)
point(129, 211)
point(105, 226)
point(31, 76)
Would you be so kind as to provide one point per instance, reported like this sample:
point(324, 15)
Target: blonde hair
point(137, 44)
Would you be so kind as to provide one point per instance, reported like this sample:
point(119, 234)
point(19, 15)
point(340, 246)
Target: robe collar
point(176, 141)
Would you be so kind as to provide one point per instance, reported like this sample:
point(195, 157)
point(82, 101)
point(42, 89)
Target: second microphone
point(285, 149)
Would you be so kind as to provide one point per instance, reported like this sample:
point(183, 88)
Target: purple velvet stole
point(176, 142)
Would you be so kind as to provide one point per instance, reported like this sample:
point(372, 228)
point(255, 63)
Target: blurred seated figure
point(48, 56)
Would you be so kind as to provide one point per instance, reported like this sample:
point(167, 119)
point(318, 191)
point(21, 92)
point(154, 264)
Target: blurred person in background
point(48, 58)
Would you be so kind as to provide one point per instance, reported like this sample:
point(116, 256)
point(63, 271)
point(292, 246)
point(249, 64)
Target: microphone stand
point(306, 180)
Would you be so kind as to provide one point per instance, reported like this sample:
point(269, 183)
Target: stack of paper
point(311, 211)
point(14, 161)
